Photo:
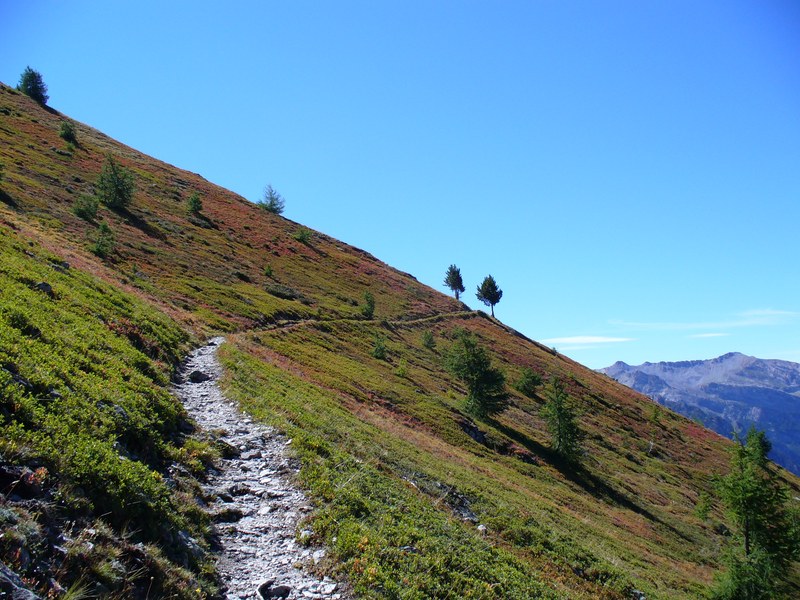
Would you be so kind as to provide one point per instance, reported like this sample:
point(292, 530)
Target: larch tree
point(452, 279)
point(272, 202)
point(467, 360)
point(489, 293)
point(767, 527)
point(565, 434)
point(115, 185)
point(31, 84)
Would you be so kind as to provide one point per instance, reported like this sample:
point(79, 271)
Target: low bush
point(528, 382)
point(368, 309)
point(104, 241)
point(67, 132)
point(302, 235)
point(194, 205)
point(85, 207)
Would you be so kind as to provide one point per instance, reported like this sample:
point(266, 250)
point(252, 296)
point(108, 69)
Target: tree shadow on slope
point(142, 225)
point(200, 220)
point(7, 200)
point(579, 475)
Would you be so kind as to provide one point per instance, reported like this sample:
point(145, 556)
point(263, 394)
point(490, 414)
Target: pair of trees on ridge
point(488, 291)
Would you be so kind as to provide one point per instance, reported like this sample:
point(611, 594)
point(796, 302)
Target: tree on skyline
point(489, 293)
point(452, 279)
point(272, 202)
point(31, 84)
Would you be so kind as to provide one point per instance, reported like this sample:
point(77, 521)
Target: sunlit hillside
point(415, 497)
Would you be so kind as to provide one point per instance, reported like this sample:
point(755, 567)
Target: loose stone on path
point(257, 506)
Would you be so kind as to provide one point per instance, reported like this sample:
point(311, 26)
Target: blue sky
point(628, 171)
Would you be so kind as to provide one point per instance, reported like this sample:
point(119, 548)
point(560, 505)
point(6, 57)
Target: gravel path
point(257, 505)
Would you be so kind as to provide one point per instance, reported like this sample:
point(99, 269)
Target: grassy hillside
point(415, 498)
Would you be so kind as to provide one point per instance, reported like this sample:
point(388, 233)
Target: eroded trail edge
point(256, 503)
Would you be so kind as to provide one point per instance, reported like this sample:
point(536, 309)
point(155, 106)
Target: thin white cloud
point(769, 313)
point(586, 340)
point(748, 318)
point(698, 336)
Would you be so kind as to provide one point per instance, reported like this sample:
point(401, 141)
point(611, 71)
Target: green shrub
point(67, 132)
point(85, 207)
point(104, 242)
point(268, 271)
point(368, 310)
point(194, 205)
point(115, 185)
point(379, 347)
point(703, 506)
point(528, 382)
point(402, 368)
point(427, 339)
point(302, 235)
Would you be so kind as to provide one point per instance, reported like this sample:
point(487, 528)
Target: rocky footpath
point(257, 505)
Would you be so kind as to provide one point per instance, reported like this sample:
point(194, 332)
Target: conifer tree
point(115, 185)
point(272, 202)
point(489, 293)
point(194, 205)
point(561, 423)
point(31, 84)
point(766, 528)
point(452, 279)
point(468, 361)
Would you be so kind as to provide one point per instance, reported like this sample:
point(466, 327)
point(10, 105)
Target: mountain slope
point(403, 477)
point(728, 394)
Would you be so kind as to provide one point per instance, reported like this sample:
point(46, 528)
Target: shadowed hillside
point(415, 498)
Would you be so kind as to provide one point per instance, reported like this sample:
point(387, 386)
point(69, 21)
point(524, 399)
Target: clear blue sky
point(628, 171)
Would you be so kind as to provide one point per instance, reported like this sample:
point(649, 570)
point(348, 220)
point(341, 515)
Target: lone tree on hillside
point(31, 84)
point(565, 434)
point(469, 362)
point(194, 205)
point(489, 293)
point(368, 310)
point(272, 202)
point(452, 279)
point(768, 531)
point(115, 185)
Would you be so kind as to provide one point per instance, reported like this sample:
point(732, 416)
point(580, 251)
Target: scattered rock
point(228, 514)
point(226, 449)
point(239, 489)
point(268, 590)
point(45, 288)
point(11, 586)
point(198, 377)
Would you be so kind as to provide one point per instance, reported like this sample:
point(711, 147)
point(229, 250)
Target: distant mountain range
point(727, 394)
